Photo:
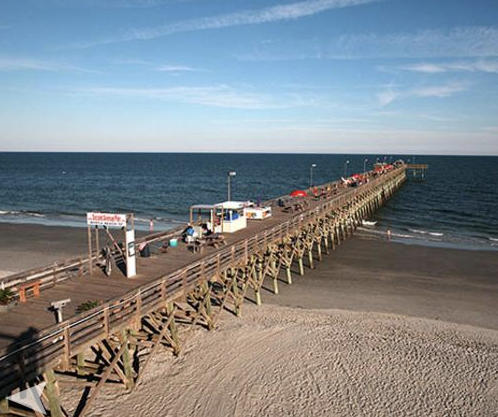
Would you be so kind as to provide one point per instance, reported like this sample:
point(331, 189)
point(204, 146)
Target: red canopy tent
point(299, 193)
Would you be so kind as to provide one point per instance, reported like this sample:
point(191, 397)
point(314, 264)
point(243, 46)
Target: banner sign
point(106, 219)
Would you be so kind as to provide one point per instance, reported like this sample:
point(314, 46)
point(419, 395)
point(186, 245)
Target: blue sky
point(338, 76)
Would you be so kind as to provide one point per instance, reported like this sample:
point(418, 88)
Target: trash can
point(145, 251)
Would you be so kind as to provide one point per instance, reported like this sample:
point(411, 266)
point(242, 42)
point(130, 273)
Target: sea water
point(455, 204)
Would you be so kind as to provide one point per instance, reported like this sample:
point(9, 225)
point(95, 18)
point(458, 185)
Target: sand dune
point(279, 361)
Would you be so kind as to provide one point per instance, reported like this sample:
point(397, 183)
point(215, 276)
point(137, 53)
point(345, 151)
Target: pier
point(137, 318)
point(417, 170)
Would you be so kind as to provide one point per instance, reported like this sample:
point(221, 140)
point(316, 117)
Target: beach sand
point(377, 329)
point(279, 361)
point(26, 246)
point(459, 286)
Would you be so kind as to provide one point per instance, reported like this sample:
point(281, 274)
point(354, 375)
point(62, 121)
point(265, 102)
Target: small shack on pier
point(225, 217)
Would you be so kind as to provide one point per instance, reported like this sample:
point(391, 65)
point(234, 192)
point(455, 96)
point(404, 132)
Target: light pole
point(365, 165)
point(230, 174)
point(346, 169)
point(312, 166)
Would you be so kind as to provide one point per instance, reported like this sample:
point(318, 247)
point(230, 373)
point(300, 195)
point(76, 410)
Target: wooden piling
point(127, 360)
point(52, 393)
point(4, 407)
point(173, 330)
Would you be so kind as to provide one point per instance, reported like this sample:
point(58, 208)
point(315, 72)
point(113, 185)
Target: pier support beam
point(4, 407)
point(127, 360)
point(289, 275)
point(52, 393)
point(301, 266)
point(80, 364)
point(170, 309)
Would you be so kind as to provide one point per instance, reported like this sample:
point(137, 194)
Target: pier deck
point(34, 315)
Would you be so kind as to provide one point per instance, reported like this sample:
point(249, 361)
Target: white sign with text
point(106, 219)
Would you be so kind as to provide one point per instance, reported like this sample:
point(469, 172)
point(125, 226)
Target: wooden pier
point(138, 318)
point(417, 170)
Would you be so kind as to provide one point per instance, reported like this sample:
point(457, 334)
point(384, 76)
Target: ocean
point(455, 205)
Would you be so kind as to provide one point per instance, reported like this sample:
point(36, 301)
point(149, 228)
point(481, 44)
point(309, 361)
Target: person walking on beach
point(388, 235)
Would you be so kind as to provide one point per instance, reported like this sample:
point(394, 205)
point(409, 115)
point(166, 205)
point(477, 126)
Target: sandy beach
point(377, 328)
point(281, 361)
point(26, 246)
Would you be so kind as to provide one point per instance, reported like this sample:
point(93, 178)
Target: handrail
point(50, 274)
point(60, 271)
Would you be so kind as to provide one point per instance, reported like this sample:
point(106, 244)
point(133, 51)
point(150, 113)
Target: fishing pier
point(173, 291)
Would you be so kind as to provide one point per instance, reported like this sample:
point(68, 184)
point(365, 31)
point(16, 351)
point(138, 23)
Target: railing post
point(106, 322)
point(163, 290)
point(67, 350)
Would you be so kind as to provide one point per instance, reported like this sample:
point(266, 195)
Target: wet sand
point(26, 246)
point(452, 285)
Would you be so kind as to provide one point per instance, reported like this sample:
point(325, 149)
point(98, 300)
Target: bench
point(215, 240)
point(296, 206)
point(197, 246)
point(23, 289)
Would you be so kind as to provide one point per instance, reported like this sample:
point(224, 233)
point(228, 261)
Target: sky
point(324, 76)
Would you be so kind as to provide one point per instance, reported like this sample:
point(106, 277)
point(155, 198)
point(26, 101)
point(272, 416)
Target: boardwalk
point(36, 315)
point(115, 340)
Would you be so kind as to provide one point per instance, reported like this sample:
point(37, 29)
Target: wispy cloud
point(112, 4)
point(438, 91)
point(386, 97)
point(458, 66)
point(19, 63)
point(177, 68)
point(11, 63)
point(132, 61)
point(168, 68)
point(216, 96)
point(458, 42)
point(277, 13)
point(492, 129)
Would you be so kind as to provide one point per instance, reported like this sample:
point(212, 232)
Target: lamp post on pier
point(346, 169)
point(312, 166)
point(365, 165)
point(229, 175)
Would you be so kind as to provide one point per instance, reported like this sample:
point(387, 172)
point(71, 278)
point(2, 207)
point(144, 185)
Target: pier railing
point(57, 272)
point(50, 275)
point(70, 337)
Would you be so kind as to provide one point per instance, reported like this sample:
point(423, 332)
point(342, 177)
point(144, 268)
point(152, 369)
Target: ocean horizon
point(454, 205)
